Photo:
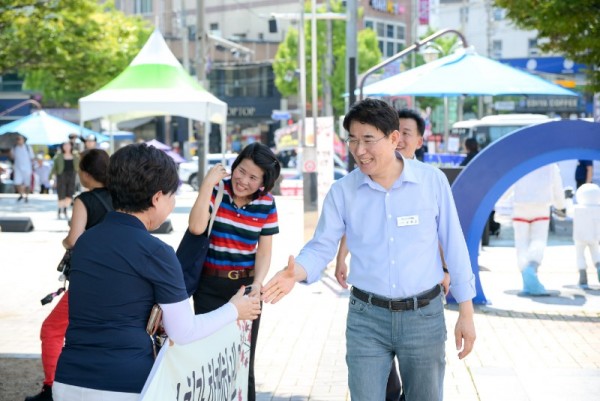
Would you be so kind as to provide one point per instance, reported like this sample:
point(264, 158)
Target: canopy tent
point(41, 128)
point(464, 73)
point(154, 84)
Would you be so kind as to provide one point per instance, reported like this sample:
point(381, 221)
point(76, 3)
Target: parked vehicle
point(491, 128)
point(292, 184)
point(188, 171)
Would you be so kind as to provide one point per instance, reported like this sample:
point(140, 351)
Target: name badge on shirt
point(403, 221)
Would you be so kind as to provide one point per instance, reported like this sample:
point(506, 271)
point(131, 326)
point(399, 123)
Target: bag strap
point(103, 201)
point(218, 200)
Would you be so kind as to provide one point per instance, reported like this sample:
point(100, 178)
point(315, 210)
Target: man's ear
point(395, 138)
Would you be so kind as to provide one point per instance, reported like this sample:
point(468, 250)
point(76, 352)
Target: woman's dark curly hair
point(136, 172)
point(265, 159)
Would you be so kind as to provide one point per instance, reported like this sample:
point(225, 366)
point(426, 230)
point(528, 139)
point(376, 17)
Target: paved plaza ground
point(542, 349)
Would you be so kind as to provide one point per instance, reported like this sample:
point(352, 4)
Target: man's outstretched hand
point(281, 284)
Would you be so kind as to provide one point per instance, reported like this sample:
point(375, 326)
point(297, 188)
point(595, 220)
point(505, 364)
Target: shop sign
point(387, 6)
point(241, 111)
point(563, 103)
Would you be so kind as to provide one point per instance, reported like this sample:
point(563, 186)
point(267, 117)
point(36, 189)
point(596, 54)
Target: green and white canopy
point(154, 84)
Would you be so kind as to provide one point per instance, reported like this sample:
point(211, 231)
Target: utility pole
point(351, 46)
point(184, 37)
point(203, 130)
point(327, 106)
point(200, 43)
point(313, 64)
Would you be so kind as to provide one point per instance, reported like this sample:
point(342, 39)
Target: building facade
point(242, 38)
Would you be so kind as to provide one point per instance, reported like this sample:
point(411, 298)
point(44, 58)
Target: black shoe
point(44, 395)
point(19, 198)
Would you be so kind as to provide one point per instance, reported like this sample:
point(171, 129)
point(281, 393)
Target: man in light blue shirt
point(395, 213)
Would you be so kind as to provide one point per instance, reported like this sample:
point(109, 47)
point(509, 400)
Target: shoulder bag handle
point(218, 200)
point(104, 202)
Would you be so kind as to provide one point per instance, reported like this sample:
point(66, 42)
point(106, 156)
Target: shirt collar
point(124, 219)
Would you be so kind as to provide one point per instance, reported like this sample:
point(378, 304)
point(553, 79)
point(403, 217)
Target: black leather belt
point(421, 300)
point(230, 274)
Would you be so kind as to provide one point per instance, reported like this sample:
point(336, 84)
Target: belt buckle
point(397, 304)
point(233, 275)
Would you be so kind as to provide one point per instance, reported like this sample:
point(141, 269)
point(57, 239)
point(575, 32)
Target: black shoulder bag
point(192, 249)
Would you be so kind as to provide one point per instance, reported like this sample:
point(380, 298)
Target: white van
point(492, 128)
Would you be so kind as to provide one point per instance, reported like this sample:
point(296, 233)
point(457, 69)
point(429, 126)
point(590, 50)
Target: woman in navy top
point(119, 271)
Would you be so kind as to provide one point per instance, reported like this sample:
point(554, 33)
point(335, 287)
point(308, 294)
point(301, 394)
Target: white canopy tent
point(154, 84)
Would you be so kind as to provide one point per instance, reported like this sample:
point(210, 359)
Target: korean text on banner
point(214, 368)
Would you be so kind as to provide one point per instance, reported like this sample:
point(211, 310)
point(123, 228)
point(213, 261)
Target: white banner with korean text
point(214, 368)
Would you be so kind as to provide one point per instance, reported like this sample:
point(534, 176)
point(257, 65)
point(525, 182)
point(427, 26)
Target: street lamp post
point(406, 51)
point(430, 54)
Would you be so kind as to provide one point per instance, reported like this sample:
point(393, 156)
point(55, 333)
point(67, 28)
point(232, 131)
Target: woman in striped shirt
point(241, 237)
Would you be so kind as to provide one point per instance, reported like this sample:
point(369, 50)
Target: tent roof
point(464, 73)
point(153, 84)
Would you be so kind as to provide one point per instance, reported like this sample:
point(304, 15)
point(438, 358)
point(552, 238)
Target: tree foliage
point(568, 27)
point(66, 49)
point(285, 65)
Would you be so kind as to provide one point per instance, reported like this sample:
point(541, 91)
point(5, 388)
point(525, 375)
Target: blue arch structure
point(499, 165)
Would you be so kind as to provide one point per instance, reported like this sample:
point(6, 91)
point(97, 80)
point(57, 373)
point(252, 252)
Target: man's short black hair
point(374, 112)
point(411, 114)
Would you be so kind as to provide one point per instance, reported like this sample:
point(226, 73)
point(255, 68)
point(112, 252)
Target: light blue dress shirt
point(393, 234)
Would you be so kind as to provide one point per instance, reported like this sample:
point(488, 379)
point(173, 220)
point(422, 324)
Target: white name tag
point(407, 221)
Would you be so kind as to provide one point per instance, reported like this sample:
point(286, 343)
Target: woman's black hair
point(265, 159)
point(136, 172)
point(95, 163)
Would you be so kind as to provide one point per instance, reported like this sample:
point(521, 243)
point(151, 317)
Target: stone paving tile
point(527, 349)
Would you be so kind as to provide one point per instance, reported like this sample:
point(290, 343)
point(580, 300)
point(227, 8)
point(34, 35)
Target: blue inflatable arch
point(501, 164)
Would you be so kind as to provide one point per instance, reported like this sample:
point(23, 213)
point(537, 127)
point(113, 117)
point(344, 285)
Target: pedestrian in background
point(241, 239)
point(472, 148)
point(88, 210)
point(22, 157)
point(42, 170)
point(584, 172)
point(64, 168)
point(90, 142)
point(395, 214)
point(76, 144)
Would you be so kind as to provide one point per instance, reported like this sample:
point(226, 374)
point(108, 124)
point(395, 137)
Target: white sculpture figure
point(533, 196)
point(586, 229)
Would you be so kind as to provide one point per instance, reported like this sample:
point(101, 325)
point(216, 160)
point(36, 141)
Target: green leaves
point(66, 49)
point(286, 65)
point(571, 28)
